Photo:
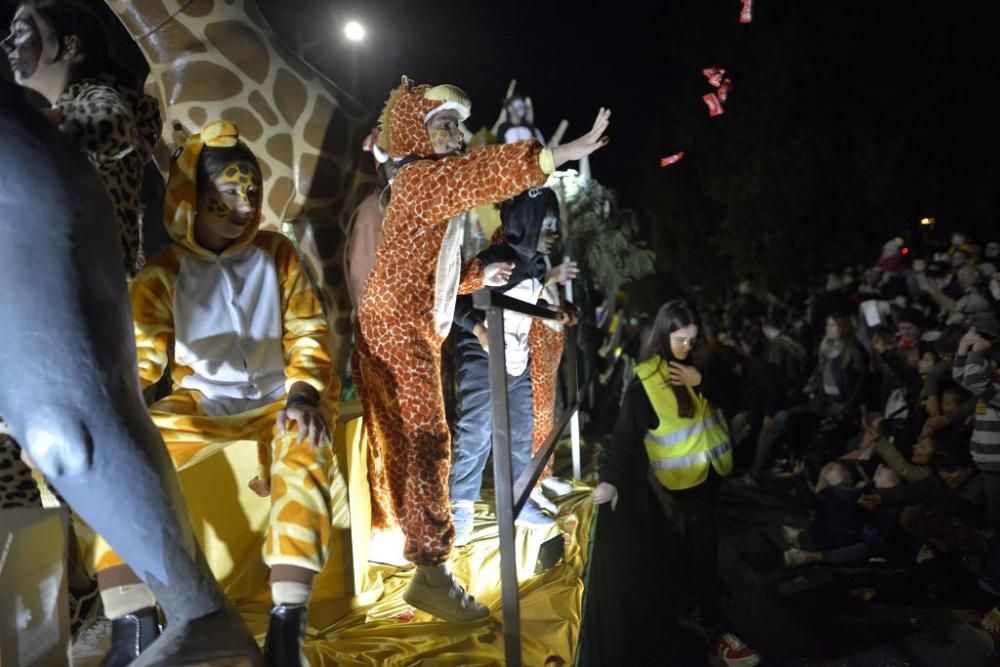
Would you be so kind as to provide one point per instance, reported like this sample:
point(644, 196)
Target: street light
point(354, 31)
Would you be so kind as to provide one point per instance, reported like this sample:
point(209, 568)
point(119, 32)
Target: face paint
point(444, 133)
point(230, 202)
point(549, 234)
point(24, 46)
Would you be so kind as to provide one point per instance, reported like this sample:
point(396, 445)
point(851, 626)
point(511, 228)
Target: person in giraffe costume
point(406, 310)
point(233, 309)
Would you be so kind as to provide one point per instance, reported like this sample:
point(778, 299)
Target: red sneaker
point(729, 651)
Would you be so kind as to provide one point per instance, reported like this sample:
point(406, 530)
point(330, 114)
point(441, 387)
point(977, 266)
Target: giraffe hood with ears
point(181, 205)
point(402, 125)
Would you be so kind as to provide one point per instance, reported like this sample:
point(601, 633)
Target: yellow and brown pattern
point(546, 346)
point(397, 361)
point(299, 527)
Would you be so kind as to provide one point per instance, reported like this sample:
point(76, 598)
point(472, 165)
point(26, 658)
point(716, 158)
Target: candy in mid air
point(713, 104)
point(672, 159)
point(724, 89)
point(746, 14)
point(714, 75)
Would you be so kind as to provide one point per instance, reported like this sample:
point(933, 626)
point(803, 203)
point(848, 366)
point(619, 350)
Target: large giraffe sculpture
point(214, 59)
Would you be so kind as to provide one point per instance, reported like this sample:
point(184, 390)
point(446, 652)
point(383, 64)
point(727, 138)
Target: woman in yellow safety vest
point(686, 441)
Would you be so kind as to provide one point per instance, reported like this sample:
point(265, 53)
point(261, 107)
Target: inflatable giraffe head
point(218, 59)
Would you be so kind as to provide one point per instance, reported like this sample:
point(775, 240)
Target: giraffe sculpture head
point(212, 59)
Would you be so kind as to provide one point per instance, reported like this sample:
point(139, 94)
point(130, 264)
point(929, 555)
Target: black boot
point(131, 635)
point(283, 646)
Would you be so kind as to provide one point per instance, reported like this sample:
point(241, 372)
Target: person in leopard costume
point(406, 310)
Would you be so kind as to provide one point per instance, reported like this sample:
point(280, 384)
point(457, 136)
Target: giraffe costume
point(545, 341)
point(407, 306)
point(252, 304)
point(220, 59)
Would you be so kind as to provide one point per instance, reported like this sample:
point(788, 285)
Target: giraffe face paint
point(25, 44)
point(444, 132)
point(230, 202)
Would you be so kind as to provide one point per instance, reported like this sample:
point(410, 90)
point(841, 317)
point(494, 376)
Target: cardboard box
point(34, 612)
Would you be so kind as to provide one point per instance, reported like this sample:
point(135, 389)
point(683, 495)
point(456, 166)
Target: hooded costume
point(407, 306)
point(239, 329)
point(116, 128)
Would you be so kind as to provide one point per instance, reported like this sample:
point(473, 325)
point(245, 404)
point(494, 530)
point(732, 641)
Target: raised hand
point(587, 144)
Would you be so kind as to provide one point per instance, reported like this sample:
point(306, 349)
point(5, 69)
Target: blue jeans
point(473, 425)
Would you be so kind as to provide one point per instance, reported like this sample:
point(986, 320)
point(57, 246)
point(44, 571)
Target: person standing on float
point(406, 311)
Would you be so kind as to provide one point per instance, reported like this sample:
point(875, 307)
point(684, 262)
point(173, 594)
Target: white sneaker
point(447, 600)
point(557, 488)
point(539, 499)
point(533, 518)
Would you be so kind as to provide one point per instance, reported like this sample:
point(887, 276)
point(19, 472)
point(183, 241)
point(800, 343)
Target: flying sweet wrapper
point(714, 104)
point(672, 159)
point(724, 89)
point(746, 14)
point(714, 75)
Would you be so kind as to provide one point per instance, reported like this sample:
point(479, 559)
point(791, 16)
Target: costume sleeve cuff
point(546, 161)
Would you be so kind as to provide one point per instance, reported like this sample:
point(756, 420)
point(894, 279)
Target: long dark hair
point(672, 316)
point(74, 17)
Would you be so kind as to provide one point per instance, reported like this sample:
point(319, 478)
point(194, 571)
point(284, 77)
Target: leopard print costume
point(397, 362)
point(116, 128)
point(17, 486)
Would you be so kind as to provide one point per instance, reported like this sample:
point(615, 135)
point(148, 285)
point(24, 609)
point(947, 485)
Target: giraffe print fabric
point(298, 530)
point(546, 345)
point(397, 362)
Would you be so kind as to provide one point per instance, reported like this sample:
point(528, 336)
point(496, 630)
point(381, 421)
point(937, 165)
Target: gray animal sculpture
point(69, 385)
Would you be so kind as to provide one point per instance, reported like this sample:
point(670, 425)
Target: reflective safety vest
point(680, 450)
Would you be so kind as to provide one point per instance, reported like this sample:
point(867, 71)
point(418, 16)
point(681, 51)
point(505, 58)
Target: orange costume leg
point(408, 435)
point(546, 348)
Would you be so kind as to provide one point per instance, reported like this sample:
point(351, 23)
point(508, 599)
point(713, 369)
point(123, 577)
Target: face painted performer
point(70, 392)
point(58, 48)
point(667, 412)
point(520, 123)
point(233, 309)
point(530, 228)
point(406, 311)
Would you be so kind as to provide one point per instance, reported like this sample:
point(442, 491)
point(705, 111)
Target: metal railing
point(511, 495)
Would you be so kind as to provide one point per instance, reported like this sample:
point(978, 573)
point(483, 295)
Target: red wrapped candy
point(714, 75)
point(724, 89)
point(746, 14)
point(713, 104)
point(672, 159)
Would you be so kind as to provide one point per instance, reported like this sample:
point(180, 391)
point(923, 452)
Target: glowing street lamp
point(927, 222)
point(354, 31)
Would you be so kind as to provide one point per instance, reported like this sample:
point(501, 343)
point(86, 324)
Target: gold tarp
point(357, 615)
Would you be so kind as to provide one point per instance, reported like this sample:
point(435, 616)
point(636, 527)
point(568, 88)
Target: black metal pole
point(504, 485)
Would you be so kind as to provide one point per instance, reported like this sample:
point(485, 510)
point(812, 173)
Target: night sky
point(849, 119)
